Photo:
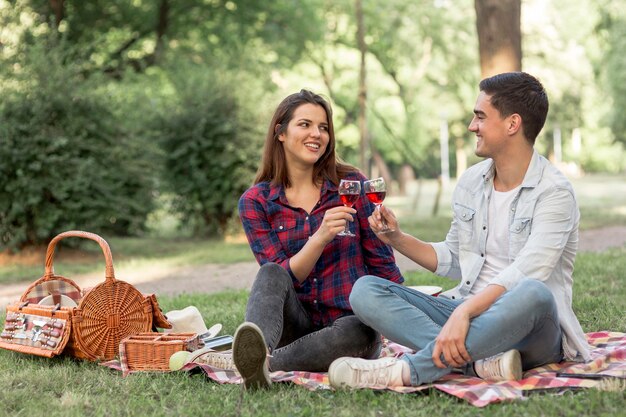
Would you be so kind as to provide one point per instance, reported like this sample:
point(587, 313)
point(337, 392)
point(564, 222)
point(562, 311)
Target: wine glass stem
point(382, 219)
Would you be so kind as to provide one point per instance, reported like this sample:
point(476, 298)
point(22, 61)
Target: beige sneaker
point(362, 373)
point(220, 360)
point(250, 356)
point(505, 366)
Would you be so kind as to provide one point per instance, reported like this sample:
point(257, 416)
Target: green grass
point(35, 386)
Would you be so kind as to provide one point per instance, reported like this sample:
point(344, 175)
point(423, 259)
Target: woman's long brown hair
point(273, 166)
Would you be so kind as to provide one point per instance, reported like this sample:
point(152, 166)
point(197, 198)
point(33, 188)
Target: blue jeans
point(524, 318)
point(295, 342)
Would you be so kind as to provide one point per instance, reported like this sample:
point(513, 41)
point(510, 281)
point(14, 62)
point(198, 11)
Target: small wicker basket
point(152, 351)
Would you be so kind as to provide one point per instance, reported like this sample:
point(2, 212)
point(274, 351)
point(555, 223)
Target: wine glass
point(349, 192)
point(376, 190)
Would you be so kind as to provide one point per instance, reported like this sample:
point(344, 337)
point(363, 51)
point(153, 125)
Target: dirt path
point(212, 278)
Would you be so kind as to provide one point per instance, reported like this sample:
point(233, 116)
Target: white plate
point(427, 289)
point(65, 301)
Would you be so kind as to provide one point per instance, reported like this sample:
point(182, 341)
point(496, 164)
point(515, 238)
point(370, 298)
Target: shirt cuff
point(444, 258)
point(508, 277)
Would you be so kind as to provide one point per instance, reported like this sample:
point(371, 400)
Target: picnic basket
point(92, 326)
point(151, 351)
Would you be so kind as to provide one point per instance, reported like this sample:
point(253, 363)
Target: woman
point(298, 310)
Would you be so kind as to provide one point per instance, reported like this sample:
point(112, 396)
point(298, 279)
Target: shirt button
point(453, 297)
point(484, 227)
point(517, 228)
point(314, 301)
point(512, 208)
point(280, 228)
point(464, 215)
point(467, 282)
point(307, 218)
point(482, 255)
point(314, 279)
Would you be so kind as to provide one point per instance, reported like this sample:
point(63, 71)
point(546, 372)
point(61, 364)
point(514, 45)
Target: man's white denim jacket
point(543, 239)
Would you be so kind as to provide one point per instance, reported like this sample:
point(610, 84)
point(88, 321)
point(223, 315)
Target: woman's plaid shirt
point(276, 232)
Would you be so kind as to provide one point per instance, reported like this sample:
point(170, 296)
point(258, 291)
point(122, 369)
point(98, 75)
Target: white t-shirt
point(497, 245)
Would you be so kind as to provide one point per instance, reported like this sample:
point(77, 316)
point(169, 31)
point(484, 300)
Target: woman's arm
point(267, 246)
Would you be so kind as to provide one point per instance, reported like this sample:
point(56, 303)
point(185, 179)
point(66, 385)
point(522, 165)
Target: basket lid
point(108, 313)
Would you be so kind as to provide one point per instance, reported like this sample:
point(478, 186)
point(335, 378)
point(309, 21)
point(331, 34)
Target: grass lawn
point(64, 387)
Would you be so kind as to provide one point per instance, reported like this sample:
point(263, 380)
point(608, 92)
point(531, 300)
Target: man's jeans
point(524, 318)
point(294, 342)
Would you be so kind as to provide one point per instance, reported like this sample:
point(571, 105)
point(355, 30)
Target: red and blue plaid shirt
point(277, 231)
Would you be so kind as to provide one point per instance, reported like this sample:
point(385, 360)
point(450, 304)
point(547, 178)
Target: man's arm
point(418, 251)
point(450, 343)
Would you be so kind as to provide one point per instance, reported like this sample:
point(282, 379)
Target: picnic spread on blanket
point(117, 325)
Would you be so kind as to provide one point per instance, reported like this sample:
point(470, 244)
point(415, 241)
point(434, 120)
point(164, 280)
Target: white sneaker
point(250, 356)
point(205, 356)
point(362, 373)
point(505, 366)
point(214, 359)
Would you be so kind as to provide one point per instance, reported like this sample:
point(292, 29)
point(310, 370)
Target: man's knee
point(537, 294)
point(362, 292)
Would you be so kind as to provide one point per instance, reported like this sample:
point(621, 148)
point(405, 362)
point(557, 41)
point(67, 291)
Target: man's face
point(489, 126)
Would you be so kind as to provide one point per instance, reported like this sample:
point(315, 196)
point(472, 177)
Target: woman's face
point(306, 138)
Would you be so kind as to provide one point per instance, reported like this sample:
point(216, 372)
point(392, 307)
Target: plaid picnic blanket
point(608, 361)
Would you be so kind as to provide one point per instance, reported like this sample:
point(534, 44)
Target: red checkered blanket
point(608, 361)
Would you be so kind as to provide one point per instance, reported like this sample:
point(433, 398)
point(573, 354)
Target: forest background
point(119, 116)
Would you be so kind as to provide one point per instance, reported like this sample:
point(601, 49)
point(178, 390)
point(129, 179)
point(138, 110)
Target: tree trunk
point(461, 156)
point(499, 36)
point(58, 8)
point(161, 29)
point(360, 34)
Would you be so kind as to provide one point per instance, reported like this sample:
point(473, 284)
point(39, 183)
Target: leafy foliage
point(211, 142)
point(64, 161)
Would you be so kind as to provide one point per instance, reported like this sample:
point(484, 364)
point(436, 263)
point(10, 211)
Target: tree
point(65, 161)
point(211, 141)
point(499, 36)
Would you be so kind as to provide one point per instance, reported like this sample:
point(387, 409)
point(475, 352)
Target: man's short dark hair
point(521, 93)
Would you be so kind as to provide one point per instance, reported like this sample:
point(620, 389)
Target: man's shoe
point(250, 356)
point(505, 366)
point(362, 373)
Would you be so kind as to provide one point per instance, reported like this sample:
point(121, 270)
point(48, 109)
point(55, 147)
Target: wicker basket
point(152, 351)
point(106, 313)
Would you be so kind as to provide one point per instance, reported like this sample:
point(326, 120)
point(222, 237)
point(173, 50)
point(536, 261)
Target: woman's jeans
point(524, 318)
point(295, 343)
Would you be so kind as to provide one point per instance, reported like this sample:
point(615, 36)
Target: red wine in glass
point(376, 197)
point(349, 192)
point(348, 200)
point(376, 190)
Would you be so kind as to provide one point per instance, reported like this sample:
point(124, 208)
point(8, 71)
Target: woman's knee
point(272, 275)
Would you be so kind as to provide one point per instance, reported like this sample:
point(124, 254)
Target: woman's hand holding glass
point(349, 192)
point(334, 222)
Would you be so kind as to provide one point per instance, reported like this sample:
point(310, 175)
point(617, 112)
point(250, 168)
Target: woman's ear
point(276, 130)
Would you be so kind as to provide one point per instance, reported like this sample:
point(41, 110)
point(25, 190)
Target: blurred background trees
point(115, 111)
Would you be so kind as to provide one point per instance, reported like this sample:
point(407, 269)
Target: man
point(512, 243)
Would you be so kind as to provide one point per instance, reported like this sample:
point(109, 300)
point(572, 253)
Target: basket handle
point(108, 258)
